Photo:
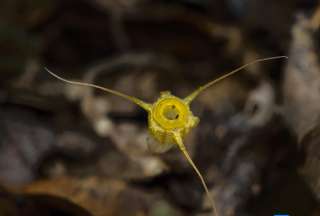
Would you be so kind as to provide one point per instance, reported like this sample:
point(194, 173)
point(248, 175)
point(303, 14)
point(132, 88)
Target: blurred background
point(73, 151)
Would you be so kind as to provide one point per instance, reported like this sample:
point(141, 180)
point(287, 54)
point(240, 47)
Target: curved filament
point(183, 149)
point(135, 100)
point(194, 94)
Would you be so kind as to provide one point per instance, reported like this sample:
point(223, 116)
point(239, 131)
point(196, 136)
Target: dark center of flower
point(171, 112)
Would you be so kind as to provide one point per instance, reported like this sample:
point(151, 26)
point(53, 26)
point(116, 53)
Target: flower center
point(170, 113)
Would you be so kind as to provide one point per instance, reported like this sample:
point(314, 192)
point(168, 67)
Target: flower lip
point(170, 113)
